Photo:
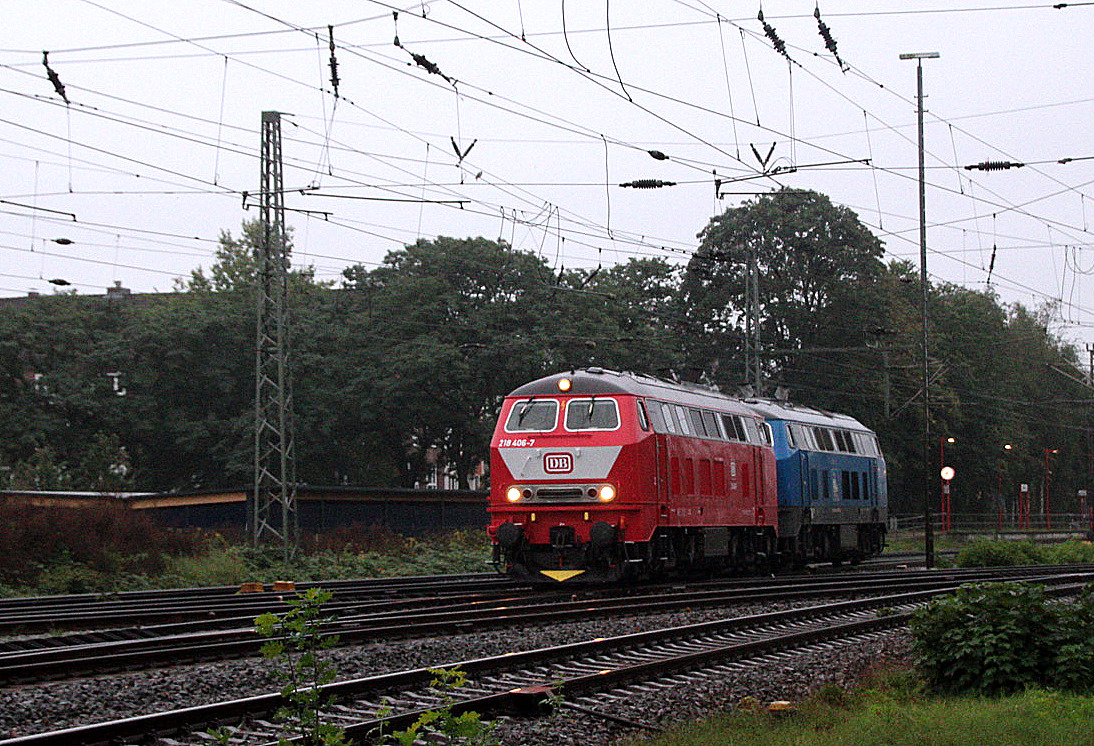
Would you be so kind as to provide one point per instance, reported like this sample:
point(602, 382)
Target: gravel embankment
point(54, 705)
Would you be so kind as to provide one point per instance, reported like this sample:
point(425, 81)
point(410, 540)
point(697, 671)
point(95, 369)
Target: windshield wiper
point(525, 410)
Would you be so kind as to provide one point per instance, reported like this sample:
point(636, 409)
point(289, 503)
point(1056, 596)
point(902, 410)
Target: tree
point(819, 270)
point(448, 328)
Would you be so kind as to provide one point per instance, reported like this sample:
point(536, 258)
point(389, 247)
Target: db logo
point(558, 463)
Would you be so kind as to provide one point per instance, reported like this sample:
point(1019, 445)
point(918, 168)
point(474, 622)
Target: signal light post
point(1044, 489)
point(947, 473)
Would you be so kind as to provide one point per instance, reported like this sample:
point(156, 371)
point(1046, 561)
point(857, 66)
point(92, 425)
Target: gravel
point(28, 709)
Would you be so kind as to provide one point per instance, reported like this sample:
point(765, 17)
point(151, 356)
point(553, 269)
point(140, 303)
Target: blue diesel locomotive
point(833, 503)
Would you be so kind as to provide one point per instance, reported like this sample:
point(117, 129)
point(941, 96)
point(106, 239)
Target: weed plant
point(295, 645)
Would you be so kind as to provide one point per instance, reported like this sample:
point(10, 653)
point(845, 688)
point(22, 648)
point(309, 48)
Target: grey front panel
point(588, 463)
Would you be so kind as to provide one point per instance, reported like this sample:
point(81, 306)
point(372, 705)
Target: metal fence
point(1078, 524)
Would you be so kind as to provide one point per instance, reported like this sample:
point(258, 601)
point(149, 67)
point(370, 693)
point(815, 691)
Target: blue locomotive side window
point(804, 437)
point(532, 416)
point(848, 441)
point(592, 414)
point(823, 437)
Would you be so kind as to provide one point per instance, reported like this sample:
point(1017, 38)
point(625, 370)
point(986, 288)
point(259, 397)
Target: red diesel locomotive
point(603, 476)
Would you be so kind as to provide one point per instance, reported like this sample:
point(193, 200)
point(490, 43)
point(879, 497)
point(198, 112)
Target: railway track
point(54, 657)
point(521, 680)
point(211, 605)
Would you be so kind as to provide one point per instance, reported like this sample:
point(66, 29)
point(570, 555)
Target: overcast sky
point(553, 105)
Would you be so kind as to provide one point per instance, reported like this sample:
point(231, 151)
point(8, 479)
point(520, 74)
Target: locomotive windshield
point(532, 416)
point(592, 414)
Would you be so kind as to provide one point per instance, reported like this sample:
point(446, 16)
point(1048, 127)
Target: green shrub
point(999, 638)
point(1071, 552)
point(986, 639)
point(1073, 668)
point(1002, 553)
point(984, 553)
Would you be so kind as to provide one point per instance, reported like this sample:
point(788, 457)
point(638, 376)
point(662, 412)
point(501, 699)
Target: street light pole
point(928, 531)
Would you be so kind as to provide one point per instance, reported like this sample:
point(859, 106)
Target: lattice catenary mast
point(272, 514)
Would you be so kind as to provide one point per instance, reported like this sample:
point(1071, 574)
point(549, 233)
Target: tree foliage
point(404, 366)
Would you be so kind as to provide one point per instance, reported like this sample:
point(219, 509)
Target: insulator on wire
point(769, 32)
point(658, 155)
point(648, 184)
point(395, 14)
point(333, 63)
point(993, 166)
point(54, 78)
point(829, 41)
point(430, 67)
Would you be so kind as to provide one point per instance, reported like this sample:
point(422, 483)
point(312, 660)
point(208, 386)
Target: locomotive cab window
point(592, 414)
point(532, 416)
point(643, 419)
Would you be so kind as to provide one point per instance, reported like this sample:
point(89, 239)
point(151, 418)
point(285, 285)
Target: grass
point(885, 716)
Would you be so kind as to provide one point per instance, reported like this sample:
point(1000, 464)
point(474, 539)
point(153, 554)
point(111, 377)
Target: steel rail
point(527, 667)
point(172, 649)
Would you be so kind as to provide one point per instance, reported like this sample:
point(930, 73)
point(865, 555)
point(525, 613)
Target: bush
point(1002, 553)
point(984, 553)
point(999, 638)
point(98, 539)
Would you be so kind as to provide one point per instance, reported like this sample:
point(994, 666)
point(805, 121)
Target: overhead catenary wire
point(875, 172)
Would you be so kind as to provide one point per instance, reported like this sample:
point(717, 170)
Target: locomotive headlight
point(512, 494)
point(606, 494)
point(564, 384)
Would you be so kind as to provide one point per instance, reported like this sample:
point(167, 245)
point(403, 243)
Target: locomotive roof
point(776, 410)
point(597, 381)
